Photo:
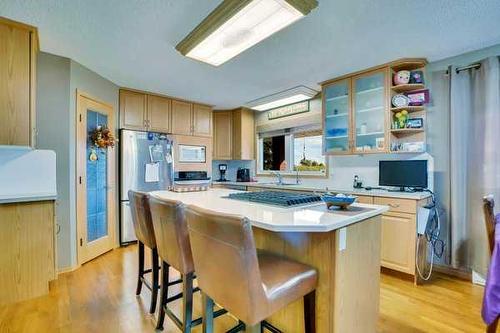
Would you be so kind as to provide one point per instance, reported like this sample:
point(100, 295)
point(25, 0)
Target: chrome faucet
point(279, 176)
point(297, 177)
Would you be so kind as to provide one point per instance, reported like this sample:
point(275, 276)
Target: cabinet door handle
point(393, 205)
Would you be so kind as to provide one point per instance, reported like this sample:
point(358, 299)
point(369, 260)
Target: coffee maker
point(222, 171)
point(243, 175)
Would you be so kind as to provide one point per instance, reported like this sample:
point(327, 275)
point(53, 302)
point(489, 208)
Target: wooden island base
point(347, 296)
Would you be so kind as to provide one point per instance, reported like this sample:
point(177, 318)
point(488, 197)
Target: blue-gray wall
point(58, 79)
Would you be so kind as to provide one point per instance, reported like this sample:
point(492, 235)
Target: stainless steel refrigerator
point(146, 164)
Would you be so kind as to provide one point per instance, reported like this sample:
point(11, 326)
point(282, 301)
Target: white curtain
point(474, 159)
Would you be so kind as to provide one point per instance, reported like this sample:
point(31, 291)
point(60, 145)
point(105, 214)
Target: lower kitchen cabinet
point(398, 242)
point(28, 250)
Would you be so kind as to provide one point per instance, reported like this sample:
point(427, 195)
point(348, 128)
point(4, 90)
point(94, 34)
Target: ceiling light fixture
point(236, 25)
point(287, 97)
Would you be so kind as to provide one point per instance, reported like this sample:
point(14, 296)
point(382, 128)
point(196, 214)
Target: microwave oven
point(192, 154)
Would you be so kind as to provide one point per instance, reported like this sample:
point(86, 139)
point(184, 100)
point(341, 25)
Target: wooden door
point(15, 85)
point(96, 181)
point(223, 134)
point(181, 118)
point(202, 120)
point(133, 110)
point(398, 242)
point(159, 112)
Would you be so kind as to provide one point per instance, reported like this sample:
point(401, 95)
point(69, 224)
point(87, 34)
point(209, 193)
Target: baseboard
point(67, 269)
point(455, 272)
point(478, 279)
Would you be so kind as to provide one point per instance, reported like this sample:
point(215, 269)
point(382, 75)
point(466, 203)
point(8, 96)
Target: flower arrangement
point(401, 119)
point(102, 137)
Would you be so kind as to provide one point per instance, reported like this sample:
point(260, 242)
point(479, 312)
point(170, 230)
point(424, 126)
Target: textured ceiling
point(132, 42)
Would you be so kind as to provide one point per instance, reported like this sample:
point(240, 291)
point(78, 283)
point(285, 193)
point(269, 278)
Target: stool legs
point(310, 312)
point(155, 285)
point(207, 314)
point(140, 274)
point(187, 302)
point(163, 294)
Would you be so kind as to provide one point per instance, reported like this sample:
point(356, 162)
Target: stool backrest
point(172, 237)
point(225, 260)
point(141, 218)
point(489, 217)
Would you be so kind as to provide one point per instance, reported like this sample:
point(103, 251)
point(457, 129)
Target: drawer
point(364, 199)
point(398, 205)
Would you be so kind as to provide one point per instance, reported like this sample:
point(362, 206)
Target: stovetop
point(277, 198)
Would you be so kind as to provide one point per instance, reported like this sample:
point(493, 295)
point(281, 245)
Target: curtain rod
point(473, 66)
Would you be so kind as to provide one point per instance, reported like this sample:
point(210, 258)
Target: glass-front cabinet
point(369, 107)
point(354, 111)
point(337, 117)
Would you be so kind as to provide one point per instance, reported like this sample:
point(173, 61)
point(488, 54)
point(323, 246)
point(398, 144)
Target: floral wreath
point(102, 137)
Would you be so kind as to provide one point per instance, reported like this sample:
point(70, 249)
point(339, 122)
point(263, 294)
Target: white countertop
point(300, 187)
point(310, 218)
point(27, 197)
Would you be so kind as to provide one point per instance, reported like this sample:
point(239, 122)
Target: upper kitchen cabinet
point(182, 117)
point(202, 120)
point(133, 110)
point(357, 112)
point(234, 135)
point(369, 110)
point(149, 112)
point(18, 49)
point(159, 114)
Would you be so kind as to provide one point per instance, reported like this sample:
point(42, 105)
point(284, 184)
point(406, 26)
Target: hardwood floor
point(100, 297)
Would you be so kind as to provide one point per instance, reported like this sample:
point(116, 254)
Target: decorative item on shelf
point(415, 123)
point(401, 77)
point(380, 143)
point(417, 77)
point(363, 128)
point(408, 147)
point(418, 97)
point(401, 119)
point(102, 137)
point(400, 100)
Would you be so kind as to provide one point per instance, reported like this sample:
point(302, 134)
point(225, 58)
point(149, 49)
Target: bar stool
point(174, 248)
point(143, 226)
point(250, 284)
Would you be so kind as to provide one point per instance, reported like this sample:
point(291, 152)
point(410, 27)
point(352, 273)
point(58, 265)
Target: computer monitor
point(403, 174)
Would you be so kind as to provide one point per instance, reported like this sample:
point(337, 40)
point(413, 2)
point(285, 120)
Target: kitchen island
point(344, 246)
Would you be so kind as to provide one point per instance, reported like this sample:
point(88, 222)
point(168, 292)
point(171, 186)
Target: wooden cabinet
point(202, 120)
point(243, 134)
point(182, 117)
point(358, 114)
point(133, 110)
point(18, 48)
point(354, 112)
point(398, 242)
point(223, 135)
point(146, 112)
point(159, 114)
point(234, 135)
point(28, 250)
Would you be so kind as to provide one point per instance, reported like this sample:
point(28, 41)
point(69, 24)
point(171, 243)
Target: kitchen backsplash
point(232, 167)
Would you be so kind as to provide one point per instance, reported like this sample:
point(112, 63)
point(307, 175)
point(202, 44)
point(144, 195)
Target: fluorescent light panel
point(291, 96)
point(253, 23)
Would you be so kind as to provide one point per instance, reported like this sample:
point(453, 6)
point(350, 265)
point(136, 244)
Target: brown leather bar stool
point(174, 248)
point(250, 284)
point(143, 226)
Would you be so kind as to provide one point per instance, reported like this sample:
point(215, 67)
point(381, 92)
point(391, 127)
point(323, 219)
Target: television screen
point(410, 173)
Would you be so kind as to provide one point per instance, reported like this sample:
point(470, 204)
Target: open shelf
point(397, 131)
point(407, 87)
point(409, 109)
point(409, 65)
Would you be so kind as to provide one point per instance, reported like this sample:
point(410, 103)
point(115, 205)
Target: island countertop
point(309, 218)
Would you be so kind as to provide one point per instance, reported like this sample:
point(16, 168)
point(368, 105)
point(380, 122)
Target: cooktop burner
point(283, 199)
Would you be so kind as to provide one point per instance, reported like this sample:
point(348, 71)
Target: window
point(300, 151)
